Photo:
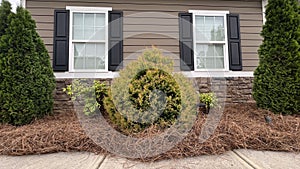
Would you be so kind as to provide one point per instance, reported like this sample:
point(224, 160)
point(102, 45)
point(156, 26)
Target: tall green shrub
point(27, 84)
point(277, 77)
point(5, 10)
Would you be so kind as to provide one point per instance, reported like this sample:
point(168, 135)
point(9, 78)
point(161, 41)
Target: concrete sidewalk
point(236, 159)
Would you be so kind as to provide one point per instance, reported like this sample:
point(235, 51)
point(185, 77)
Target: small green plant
point(90, 94)
point(209, 99)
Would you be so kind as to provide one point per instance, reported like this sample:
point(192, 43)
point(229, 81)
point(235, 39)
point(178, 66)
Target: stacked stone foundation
point(231, 90)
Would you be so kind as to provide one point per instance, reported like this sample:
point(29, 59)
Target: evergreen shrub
point(277, 77)
point(27, 80)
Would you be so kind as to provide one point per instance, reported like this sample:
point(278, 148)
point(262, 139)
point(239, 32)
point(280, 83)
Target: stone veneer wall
point(229, 89)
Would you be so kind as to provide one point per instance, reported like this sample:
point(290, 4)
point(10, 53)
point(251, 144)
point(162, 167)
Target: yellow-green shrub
point(146, 93)
point(129, 102)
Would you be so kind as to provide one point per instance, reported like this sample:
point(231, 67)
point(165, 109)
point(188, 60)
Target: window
point(210, 40)
point(88, 39)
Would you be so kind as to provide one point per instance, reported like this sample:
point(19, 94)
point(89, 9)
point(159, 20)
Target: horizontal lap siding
point(155, 23)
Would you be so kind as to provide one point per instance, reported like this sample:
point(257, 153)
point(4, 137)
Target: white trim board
point(77, 75)
point(23, 3)
point(264, 3)
point(192, 74)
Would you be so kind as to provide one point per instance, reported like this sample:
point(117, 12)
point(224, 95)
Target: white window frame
point(264, 4)
point(211, 13)
point(71, 41)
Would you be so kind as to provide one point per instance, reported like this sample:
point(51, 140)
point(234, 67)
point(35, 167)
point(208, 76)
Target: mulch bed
point(241, 126)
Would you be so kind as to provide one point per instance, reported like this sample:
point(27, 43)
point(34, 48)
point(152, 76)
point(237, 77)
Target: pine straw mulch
point(242, 126)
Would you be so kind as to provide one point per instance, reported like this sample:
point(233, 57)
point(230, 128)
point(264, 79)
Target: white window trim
point(88, 75)
point(194, 74)
point(71, 46)
point(211, 13)
point(23, 3)
point(264, 3)
point(191, 74)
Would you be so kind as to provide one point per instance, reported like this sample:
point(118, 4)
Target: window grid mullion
point(95, 46)
point(214, 57)
point(210, 42)
point(83, 27)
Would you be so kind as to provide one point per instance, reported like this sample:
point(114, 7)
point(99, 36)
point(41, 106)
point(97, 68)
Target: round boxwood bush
point(148, 93)
point(26, 81)
point(159, 88)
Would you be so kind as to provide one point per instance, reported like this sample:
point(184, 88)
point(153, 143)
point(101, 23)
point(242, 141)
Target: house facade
point(205, 38)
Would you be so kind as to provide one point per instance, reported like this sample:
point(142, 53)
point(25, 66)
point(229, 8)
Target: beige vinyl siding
point(160, 27)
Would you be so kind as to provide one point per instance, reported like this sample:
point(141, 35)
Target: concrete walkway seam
point(235, 156)
point(247, 160)
point(101, 162)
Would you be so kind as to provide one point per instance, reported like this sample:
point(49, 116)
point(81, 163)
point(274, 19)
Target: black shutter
point(234, 42)
point(61, 40)
point(186, 41)
point(115, 55)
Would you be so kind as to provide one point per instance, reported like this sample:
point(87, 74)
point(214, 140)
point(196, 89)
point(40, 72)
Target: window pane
point(90, 63)
point(88, 26)
point(199, 21)
point(209, 56)
point(209, 28)
point(88, 33)
point(79, 63)
point(78, 33)
point(99, 34)
point(100, 27)
point(79, 50)
point(220, 63)
point(199, 27)
point(90, 50)
point(200, 63)
point(78, 26)
point(100, 50)
point(201, 50)
point(78, 19)
point(219, 50)
point(200, 35)
point(89, 20)
point(209, 63)
point(100, 20)
point(89, 55)
point(219, 28)
point(210, 51)
point(100, 63)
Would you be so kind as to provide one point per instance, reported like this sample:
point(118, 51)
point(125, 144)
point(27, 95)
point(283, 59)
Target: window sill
point(191, 74)
point(87, 75)
point(218, 74)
